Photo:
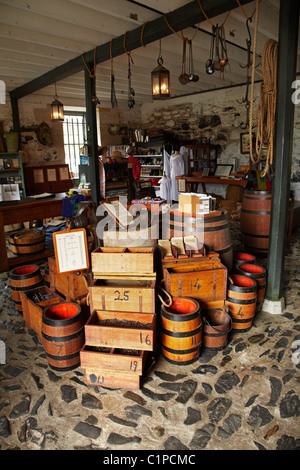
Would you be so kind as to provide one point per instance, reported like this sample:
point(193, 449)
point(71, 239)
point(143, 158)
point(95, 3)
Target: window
point(74, 129)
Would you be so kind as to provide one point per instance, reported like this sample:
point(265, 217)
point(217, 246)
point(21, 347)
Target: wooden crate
point(126, 329)
point(205, 283)
point(125, 295)
point(73, 285)
point(127, 261)
point(33, 309)
point(113, 359)
point(113, 379)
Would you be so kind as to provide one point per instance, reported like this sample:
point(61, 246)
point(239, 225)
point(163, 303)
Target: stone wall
point(218, 115)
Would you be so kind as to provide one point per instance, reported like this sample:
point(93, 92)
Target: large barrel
point(63, 335)
point(212, 230)
point(27, 242)
point(258, 273)
point(241, 301)
point(181, 331)
point(255, 220)
point(216, 326)
point(23, 279)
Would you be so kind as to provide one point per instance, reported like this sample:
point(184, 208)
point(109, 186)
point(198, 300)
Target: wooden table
point(22, 211)
point(193, 181)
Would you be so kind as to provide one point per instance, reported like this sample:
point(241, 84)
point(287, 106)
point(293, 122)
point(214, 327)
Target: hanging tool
point(183, 77)
point(192, 76)
point(245, 100)
point(131, 92)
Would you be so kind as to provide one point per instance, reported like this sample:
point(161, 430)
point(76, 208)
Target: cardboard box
point(192, 203)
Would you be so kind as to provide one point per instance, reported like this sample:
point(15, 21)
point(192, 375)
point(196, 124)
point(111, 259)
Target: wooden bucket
point(216, 326)
point(255, 220)
point(241, 301)
point(63, 335)
point(212, 230)
point(258, 273)
point(240, 257)
point(27, 242)
point(23, 279)
point(181, 331)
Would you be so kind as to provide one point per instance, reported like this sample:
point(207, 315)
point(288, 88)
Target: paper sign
point(71, 252)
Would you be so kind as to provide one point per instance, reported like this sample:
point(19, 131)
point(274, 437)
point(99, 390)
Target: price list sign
point(71, 252)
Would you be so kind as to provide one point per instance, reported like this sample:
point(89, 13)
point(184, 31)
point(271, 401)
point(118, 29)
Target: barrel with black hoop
point(211, 229)
point(63, 335)
point(181, 331)
point(241, 301)
point(255, 220)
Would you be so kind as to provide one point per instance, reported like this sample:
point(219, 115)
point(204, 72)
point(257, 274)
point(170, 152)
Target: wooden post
point(288, 40)
point(91, 125)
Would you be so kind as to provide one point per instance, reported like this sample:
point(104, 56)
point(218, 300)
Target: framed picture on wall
point(245, 142)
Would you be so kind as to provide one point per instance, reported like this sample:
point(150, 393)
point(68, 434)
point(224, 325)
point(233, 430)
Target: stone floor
point(244, 397)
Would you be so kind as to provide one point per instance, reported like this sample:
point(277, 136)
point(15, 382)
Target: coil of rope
point(266, 112)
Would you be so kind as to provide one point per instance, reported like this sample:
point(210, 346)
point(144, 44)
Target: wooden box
point(135, 261)
point(73, 285)
point(121, 329)
point(33, 306)
point(124, 295)
point(205, 283)
point(113, 379)
point(113, 359)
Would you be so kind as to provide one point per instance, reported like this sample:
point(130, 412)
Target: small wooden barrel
point(181, 331)
point(23, 279)
point(212, 230)
point(216, 327)
point(27, 242)
point(241, 301)
point(63, 335)
point(255, 220)
point(240, 257)
point(258, 273)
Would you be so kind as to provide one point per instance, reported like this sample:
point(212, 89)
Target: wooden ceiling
point(37, 36)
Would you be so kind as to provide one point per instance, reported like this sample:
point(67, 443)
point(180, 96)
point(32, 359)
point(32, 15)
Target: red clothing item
point(136, 166)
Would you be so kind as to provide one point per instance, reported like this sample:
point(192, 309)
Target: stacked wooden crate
point(122, 326)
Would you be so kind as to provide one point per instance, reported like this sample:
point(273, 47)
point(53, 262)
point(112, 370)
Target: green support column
point(287, 59)
point(91, 125)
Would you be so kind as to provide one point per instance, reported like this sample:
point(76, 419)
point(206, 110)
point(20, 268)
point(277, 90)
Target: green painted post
point(287, 59)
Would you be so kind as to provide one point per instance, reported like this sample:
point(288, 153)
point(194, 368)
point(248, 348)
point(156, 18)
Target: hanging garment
point(165, 189)
point(167, 157)
point(176, 169)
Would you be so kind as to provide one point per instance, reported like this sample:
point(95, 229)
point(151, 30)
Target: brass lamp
point(160, 80)
point(57, 109)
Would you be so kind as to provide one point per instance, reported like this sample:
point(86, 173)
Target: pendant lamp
point(57, 109)
point(160, 80)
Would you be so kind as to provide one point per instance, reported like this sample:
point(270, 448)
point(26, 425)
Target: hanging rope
point(266, 111)
point(92, 71)
point(113, 98)
point(202, 9)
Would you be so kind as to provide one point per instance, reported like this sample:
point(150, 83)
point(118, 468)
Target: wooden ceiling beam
point(178, 19)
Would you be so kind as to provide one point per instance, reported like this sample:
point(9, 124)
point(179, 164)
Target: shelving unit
point(151, 170)
point(202, 156)
point(10, 173)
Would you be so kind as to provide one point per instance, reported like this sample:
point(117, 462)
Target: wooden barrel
point(258, 273)
point(27, 242)
point(23, 279)
point(241, 301)
point(212, 230)
point(240, 257)
point(255, 220)
point(216, 326)
point(63, 335)
point(181, 331)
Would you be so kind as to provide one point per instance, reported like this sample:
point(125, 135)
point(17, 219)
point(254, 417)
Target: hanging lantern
point(160, 79)
point(57, 109)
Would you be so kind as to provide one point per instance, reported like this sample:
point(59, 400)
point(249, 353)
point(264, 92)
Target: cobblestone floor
point(245, 397)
